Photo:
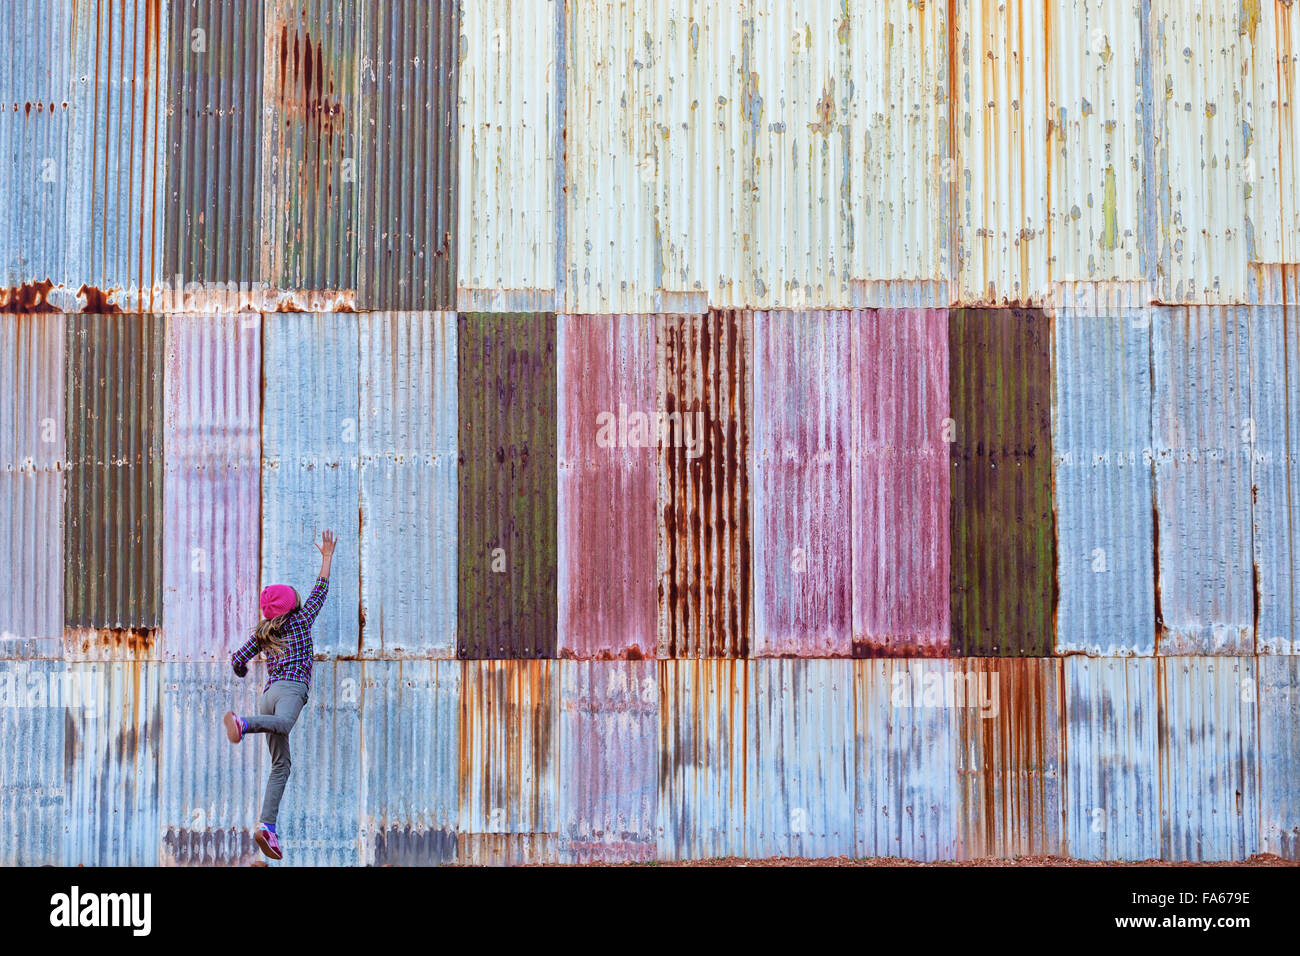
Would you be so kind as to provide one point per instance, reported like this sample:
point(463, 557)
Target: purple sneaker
point(268, 842)
point(234, 727)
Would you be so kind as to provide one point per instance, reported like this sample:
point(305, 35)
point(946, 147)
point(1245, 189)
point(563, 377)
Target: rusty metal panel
point(609, 761)
point(1103, 473)
point(508, 752)
point(214, 132)
point(310, 463)
point(409, 155)
point(1201, 431)
point(112, 517)
point(1275, 472)
point(36, 699)
point(506, 581)
point(1110, 782)
point(1009, 757)
point(1274, 143)
point(905, 728)
point(801, 777)
point(212, 484)
point(901, 166)
point(1200, 61)
point(310, 160)
point(410, 711)
point(900, 489)
point(119, 151)
point(702, 366)
point(1003, 534)
point(608, 436)
point(1279, 755)
point(802, 505)
point(407, 480)
point(702, 781)
point(209, 792)
point(37, 93)
point(1096, 167)
point(1209, 771)
point(110, 757)
point(511, 63)
point(31, 485)
point(1000, 128)
point(322, 802)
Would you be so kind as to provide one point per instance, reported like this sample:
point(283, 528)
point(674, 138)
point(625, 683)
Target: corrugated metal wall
point(703, 367)
point(958, 335)
point(507, 479)
point(32, 460)
point(112, 517)
point(607, 493)
point(1003, 536)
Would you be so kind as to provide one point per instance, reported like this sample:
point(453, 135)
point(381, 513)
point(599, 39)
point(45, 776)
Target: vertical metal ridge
point(703, 367)
point(1003, 584)
point(506, 579)
point(112, 515)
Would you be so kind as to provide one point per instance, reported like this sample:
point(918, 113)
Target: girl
point(284, 637)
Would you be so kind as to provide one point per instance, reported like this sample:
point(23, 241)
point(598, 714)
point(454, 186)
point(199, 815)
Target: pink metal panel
point(609, 759)
point(899, 374)
point(212, 487)
point(802, 560)
point(608, 604)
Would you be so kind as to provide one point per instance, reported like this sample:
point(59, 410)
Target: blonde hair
point(269, 633)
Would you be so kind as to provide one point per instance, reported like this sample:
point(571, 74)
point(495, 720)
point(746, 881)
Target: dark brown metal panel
point(408, 138)
point(113, 507)
point(506, 390)
point(704, 536)
point(214, 132)
point(1003, 578)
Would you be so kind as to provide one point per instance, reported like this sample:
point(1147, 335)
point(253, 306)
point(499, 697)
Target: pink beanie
point(278, 599)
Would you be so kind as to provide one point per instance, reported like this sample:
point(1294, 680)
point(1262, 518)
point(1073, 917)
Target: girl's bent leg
point(278, 708)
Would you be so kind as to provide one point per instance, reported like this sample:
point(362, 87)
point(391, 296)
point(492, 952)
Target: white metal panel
point(1096, 169)
point(508, 164)
point(1001, 57)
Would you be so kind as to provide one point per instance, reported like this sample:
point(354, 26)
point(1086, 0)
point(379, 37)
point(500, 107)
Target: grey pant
point(277, 712)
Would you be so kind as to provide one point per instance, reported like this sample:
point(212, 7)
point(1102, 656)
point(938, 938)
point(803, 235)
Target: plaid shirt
point(295, 662)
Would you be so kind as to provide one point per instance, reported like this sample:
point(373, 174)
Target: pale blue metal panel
point(800, 779)
point(701, 809)
point(1102, 443)
point(1200, 419)
point(1275, 415)
point(408, 484)
point(906, 770)
point(320, 815)
point(1209, 772)
point(37, 93)
point(1111, 784)
point(209, 790)
point(310, 434)
point(111, 760)
point(609, 760)
point(410, 717)
point(1279, 756)
point(35, 699)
